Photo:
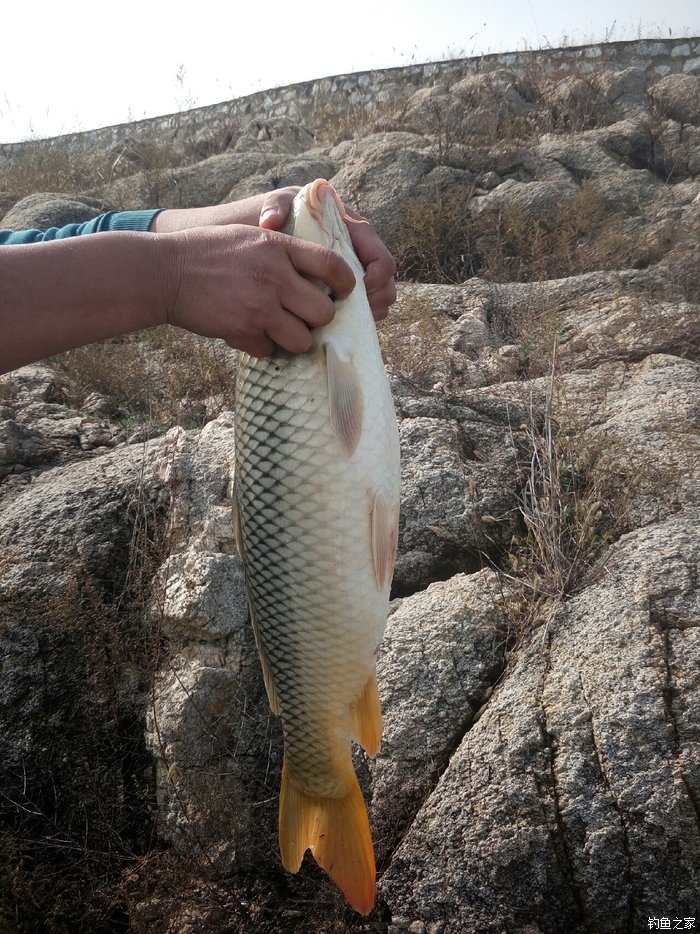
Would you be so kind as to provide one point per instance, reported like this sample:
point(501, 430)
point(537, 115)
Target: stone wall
point(368, 89)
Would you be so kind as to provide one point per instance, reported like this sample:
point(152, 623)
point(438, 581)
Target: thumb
point(276, 207)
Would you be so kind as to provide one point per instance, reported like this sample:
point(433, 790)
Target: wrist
point(168, 265)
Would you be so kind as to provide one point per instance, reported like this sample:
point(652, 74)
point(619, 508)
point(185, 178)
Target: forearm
point(55, 296)
point(274, 206)
point(233, 212)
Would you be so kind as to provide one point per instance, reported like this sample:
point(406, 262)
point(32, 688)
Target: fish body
point(316, 509)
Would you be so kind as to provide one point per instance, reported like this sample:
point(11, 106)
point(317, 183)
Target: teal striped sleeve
point(112, 220)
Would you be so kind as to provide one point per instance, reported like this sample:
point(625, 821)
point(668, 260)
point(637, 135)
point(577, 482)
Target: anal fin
point(366, 717)
point(337, 832)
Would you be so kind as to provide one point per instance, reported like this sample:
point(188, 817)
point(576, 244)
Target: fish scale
point(316, 508)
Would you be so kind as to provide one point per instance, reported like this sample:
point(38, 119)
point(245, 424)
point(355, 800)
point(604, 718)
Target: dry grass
point(575, 494)
point(79, 850)
point(437, 238)
point(334, 119)
point(441, 241)
point(62, 165)
point(530, 321)
point(412, 342)
point(157, 379)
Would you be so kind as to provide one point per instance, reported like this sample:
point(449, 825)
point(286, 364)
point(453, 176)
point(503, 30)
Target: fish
point(316, 513)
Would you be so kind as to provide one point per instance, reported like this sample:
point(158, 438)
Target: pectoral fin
point(345, 396)
point(385, 537)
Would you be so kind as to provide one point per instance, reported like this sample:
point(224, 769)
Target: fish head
point(319, 215)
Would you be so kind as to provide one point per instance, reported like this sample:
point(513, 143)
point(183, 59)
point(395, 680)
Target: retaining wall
point(367, 89)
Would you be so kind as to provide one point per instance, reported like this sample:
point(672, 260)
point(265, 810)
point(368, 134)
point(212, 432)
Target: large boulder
point(564, 804)
point(678, 97)
point(380, 174)
point(43, 210)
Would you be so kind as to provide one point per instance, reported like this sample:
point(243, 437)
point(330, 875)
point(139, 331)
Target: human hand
point(270, 211)
point(378, 262)
point(249, 286)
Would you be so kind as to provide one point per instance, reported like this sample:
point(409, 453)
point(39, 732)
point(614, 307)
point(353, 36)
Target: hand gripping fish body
point(316, 508)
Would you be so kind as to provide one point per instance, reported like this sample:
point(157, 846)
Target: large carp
point(316, 508)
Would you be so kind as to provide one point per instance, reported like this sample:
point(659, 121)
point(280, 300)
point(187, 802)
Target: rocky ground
point(540, 674)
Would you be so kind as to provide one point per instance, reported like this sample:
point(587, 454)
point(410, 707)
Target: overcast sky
point(73, 65)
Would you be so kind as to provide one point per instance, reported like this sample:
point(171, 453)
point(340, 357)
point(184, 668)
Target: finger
point(276, 206)
point(259, 345)
point(316, 262)
point(384, 294)
point(371, 251)
point(381, 302)
point(308, 302)
point(380, 273)
point(289, 332)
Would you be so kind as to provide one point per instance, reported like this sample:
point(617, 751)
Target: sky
point(70, 65)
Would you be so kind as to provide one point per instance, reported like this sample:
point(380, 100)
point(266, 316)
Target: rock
point(43, 210)
point(443, 651)
point(458, 503)
point(279, 134)
point(628, 327)
point(293, 170)
point(22, 447)
point(473, 109)
point(198, 185)
point(37, 428)
point(642, 418)
point(564, 803)
point(579, 155)
point(575, 104)
point(626, 89)
point(544, 202)
point(73, 645)
point(539, 674)
point(7, 201)
point(678, 97)
point(380, 174)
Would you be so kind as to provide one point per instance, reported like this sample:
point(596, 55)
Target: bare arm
point(246, 285)
point(221, 271)
point(62, 294)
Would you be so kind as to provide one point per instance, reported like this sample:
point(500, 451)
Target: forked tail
point(337, 832)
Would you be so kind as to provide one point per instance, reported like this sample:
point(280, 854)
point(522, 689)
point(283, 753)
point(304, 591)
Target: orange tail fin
point(337, 832)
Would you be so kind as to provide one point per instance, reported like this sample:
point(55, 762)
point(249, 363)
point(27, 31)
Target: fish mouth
point(316, 194)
